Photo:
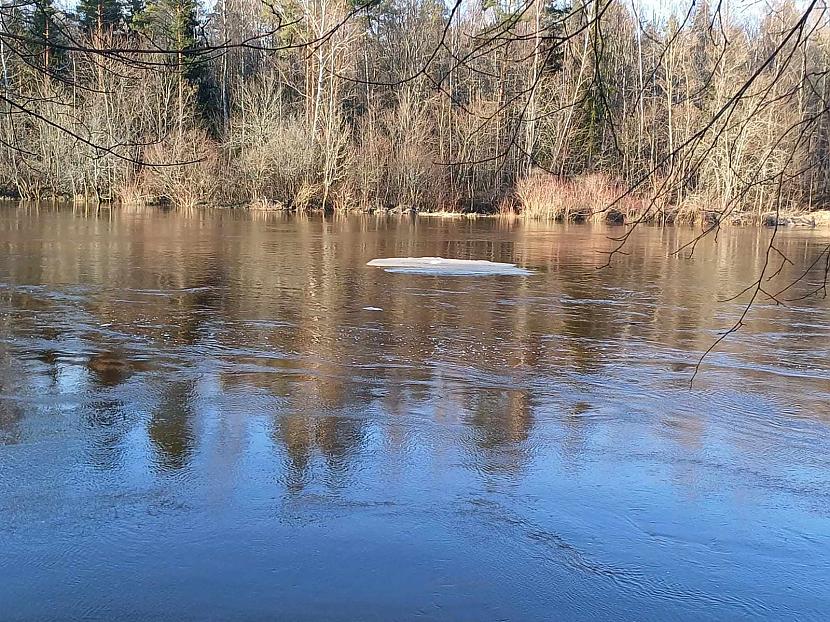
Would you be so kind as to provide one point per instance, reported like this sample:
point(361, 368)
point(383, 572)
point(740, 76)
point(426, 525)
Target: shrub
point(593, 197)
point(184, 169)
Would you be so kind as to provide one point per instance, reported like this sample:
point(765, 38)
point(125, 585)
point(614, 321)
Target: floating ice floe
point(447, 267)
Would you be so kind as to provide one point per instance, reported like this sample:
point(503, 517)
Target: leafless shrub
point(393, 161)
point(184, 169)
point(270, 150)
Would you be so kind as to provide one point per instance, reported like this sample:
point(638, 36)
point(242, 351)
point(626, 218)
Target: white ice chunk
point(447, 267)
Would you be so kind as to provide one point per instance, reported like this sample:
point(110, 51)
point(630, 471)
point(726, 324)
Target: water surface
point(223, 415)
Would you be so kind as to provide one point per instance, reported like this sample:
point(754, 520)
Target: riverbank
point(809, 220)
point(576, 206)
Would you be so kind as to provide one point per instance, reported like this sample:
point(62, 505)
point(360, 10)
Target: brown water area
point(229, 415)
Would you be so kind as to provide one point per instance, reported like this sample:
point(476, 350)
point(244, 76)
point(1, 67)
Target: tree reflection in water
point(224, 369)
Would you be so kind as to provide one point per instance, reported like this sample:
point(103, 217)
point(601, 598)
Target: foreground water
point(218, 416)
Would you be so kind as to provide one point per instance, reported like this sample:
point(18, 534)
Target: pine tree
point(134, 10)
point(100, 16)
point(172, 25)
point(46, 35)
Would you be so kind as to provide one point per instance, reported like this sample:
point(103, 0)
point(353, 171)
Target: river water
point(222, 415)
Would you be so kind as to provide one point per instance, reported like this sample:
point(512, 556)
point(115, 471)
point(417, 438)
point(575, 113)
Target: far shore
point(816, 219)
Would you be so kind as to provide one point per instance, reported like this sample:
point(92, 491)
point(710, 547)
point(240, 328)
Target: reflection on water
point(226, 414)
point(169, 428)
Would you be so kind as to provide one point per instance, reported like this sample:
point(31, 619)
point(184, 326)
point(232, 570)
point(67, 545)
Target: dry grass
point(596, 198)
point(307, 196)
point(133, 194)
point(585, 198)
point(690, 211)
point(822, 218)
point(264, 205)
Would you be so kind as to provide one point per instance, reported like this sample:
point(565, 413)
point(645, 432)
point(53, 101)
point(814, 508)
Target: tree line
point(572, 111)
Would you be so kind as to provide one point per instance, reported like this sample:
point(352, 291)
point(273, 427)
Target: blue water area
point(228, 417)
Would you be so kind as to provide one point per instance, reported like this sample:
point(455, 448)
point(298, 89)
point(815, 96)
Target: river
point(229, 415)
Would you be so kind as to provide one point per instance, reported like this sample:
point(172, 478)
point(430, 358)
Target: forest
point(596, 110)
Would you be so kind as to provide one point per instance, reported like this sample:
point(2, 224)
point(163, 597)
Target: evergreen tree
point(100, 16)
point(172, 25)
point(46, 34)
point(134, 10)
